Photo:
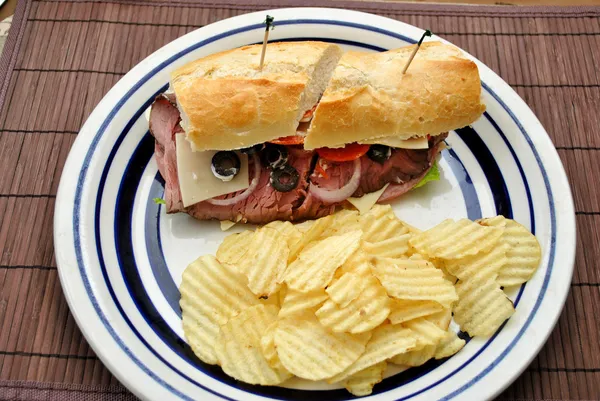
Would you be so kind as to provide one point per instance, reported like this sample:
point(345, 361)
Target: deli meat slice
point(164, 124)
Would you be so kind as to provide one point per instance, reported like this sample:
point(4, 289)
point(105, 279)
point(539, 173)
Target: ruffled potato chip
point(523, 254)
point(449, 345)
point(415, 358)
point(267, 345)
point(456, 239)
point(386, 342)
point(314, 267)
point(380, 223)
point(211, 293)
point(441, 319)
point(347, 288)
point(343, 221)
point(309, 350)
point(426, 333)
point(313, 233)
point(363, 313)
point(239, 348)
point(483, 264)
point(358, 263)
point(394, 247)
point(416, 280)
point(296, 302)
point(265, 262)
point(234, 247)
point(405, 310)
point(362, 383)
point(482, 307)
point(288, 230)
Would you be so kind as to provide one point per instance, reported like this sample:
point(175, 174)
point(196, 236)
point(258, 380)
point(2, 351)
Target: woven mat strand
point(63, 56)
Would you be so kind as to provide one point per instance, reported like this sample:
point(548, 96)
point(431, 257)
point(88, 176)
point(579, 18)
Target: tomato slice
point(352, 151)
point(289, 140)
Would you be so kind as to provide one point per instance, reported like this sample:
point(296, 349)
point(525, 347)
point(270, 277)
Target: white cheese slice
point(196, 180)
point(395, 142)
point(227, 224)
point(367, 201)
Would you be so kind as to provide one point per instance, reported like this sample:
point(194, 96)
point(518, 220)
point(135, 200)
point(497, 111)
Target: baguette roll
point(226, 102)
point(368, 96)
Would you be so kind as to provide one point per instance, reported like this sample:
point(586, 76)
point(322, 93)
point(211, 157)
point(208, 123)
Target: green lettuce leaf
point(432, 175)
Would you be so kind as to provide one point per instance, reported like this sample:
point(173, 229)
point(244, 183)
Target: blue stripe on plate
point(466, 185)
point(158, 264)
point(514, 155)
point(89, 154)
point(490, 168)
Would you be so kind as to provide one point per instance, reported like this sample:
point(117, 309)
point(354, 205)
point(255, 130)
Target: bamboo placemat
point(63, 56)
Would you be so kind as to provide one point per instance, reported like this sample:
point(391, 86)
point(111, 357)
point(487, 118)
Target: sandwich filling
point(287, 182)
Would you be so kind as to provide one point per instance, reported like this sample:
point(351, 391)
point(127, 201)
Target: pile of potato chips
point(339, 298)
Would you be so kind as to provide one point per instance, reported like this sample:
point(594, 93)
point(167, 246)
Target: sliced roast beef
point(394, 190)
point(164, 124)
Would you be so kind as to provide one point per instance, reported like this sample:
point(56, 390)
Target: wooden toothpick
point(269, 26)
point(410, 59)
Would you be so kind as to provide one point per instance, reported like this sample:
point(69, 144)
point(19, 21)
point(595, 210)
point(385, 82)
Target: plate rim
point(88, 131)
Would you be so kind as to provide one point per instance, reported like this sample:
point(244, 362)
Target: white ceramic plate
point(121, 257)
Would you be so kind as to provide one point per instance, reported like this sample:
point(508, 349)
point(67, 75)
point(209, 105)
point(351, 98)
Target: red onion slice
point(338, 195)
point(246, 193)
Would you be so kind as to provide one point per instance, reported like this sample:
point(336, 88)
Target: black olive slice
point(253, 149)
point(274, 156)
point(379, 153)
point(284, 179)
point(225, 165)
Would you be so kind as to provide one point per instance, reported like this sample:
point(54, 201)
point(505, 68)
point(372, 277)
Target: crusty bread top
point(368, 96)
point(226, 102)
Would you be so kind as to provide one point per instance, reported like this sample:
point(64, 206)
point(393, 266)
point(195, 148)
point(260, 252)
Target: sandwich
point(312, 130)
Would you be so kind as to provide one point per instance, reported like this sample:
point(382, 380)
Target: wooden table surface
point(74, 51)
point(515, 2)
point(8, 8)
